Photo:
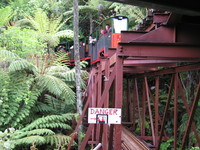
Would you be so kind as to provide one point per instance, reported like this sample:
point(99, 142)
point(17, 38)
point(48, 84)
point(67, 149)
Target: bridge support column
point(118, 100)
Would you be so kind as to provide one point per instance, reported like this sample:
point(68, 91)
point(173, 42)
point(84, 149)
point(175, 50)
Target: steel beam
point(166, 111)
point(118, 101)
point(150, 111)
point(156, 108)
point(191, 116)
point(165, 50)
point(175, 109)
point(157, 35)
point(156, 61)
point(194, 128)
point(194, 66)
point(143, 109)
point(105, 137)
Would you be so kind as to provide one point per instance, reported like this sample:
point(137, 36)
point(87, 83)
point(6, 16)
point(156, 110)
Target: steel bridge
point(134, 77)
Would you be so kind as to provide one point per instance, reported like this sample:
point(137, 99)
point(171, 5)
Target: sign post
point(104, 115)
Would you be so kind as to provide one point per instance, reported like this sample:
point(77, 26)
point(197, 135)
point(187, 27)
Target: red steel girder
point(157, 61)
point(191, 116)
point(195, 66)
point(127, 36)
point(167, 50)
point(157, 36)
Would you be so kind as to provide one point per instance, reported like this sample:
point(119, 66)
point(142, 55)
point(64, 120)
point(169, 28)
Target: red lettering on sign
point(104, 111)
point(92, 111)
point(115, 112)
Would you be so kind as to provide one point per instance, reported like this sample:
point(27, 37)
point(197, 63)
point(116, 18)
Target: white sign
point(104, 115)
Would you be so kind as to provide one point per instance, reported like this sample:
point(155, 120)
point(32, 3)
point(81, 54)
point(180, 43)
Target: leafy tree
point(134, 13)
point(37, 101)
point(3, 3)
point(21, 41)
point(52, 6)
point(20, 8)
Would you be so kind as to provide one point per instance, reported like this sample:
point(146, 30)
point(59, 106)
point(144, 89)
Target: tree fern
point(40, 21)
point(48, 27)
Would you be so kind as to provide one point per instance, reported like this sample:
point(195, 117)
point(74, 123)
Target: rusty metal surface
point(131, 142)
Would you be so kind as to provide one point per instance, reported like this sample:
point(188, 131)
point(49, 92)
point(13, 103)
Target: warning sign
point(104, 115)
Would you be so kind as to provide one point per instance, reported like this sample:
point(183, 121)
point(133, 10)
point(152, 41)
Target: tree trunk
point(91, 23)
point(77, 67)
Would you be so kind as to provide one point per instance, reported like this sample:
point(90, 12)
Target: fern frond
point(23, 23)
point(39, 140)
point(58, 139)
point(7, 55)
point(22, 64)
point(54, 69)
point(51, 121)
point(65, 33)
point(60, 24)
point(87, 9)
point(56, 86)
point(5, 15)
point(59, 105)
point(40, 21)
point(39, 132)
point(44, 108)
point(54, 23)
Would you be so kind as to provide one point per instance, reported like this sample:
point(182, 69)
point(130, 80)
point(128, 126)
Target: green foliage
point(34, 132)
point(6, 142)
point(3, 3)
point(6, 14)
point(30, 140)
point(56, 86)
point(20, 8)
point(195, 148)
point(22, 64)
point(61, 140)
point(52, 6)
point(49, 27)
point(16, 102)
point(50, 121)
point(134, 13)
point(7, 55)
point(21, 41)
point(166, 145)
point(44, 99)
point(38, 131)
